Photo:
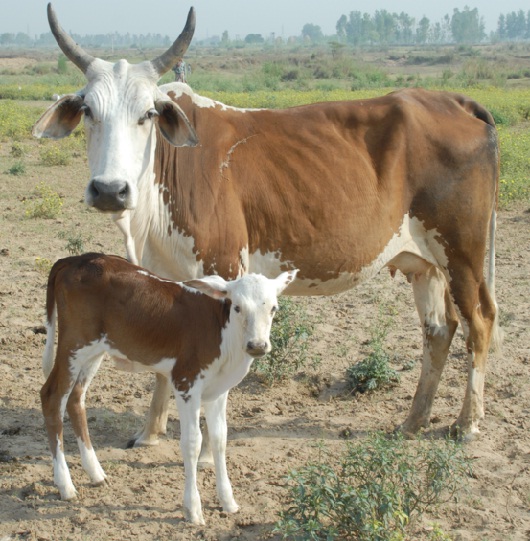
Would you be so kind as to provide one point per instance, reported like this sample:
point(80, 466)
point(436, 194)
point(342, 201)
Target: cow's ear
point(213, 286)
point(174, 124)
point(60, 119)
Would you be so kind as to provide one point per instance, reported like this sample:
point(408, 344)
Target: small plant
point(54, 155)
point(18, 168)
point(47, 203)
point(373, 490)
point(374, 371)
point(75, 243)
point(17, 150)
point(290, 333)
point(43, 265)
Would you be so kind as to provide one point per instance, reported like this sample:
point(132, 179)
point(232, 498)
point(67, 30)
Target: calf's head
point(120, 104)
point(254, 301)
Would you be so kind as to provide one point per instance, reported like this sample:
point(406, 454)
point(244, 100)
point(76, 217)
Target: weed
point(54, 155)
point(43, 265)
point(75, 243)
point(290, 332)
point(374, 371)
point(373, 490)
point(47, 203)
point(18, 168)
point(17, 150)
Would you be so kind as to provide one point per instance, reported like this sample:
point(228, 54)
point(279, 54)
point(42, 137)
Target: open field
point(271, 429)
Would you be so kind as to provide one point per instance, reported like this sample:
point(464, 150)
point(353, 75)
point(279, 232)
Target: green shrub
point(75, 243)
point(373, 490)
point(18, 168)
point(374, 371)
point(290, 334)
point(17, 150)
point(46, 204)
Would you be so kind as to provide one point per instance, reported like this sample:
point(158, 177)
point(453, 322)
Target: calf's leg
point(190, 443)
point(215, 413)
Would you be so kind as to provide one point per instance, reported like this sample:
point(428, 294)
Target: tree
point(254, 38)
point(467, 26)
point(422, 32)
point(313, 32)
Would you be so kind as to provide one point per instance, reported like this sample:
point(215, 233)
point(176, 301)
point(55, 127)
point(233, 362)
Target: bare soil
point(271, 430)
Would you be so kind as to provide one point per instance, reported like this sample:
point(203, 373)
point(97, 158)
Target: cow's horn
point(68, 46)
point(166, 61)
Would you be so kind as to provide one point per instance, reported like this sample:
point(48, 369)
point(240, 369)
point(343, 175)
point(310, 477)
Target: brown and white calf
point(203, 344)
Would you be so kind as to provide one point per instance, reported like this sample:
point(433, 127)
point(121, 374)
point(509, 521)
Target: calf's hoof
point(195, 517)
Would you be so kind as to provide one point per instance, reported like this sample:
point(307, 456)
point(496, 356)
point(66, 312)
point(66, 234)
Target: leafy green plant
point(46, 204)
point(373, 491)
point(374, 371)
point(43, 265)
point(18, 168)
point(75, 242)
point(17, 150)
point(290, 333)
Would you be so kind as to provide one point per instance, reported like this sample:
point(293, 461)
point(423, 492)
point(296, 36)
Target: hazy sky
point(238, 17)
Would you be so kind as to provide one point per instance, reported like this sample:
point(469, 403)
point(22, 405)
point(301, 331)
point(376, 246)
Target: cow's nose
point(109, 196)
point(257, 348)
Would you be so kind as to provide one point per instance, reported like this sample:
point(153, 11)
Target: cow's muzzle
point(108, 196)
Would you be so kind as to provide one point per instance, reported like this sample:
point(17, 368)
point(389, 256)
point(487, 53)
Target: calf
point(203, 344)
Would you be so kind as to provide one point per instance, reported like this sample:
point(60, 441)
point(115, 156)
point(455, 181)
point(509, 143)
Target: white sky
point(238, 17)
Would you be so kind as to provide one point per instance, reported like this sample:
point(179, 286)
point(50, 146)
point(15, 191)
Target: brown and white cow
point(338, 190)
point(203, 344)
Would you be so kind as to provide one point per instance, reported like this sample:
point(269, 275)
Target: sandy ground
point(271, 430)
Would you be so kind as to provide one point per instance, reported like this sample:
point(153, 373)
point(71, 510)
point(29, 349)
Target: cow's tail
point(497, 335)
point(51, 322)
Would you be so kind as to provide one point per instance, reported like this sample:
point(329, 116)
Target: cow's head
point(120, 104)
point(254, 301)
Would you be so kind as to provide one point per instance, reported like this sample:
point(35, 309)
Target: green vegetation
point(18, 168)
point(373, 491)
point(290, 333)
point(46, 203)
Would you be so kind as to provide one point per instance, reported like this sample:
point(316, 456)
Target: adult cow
point(338, 190)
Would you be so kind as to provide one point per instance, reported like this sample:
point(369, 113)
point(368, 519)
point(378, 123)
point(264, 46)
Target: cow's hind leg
point(477, 314)
point(77, 413)
point(439, 322)
point(156, 422)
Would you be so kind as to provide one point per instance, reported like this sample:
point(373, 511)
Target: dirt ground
point(271, 430)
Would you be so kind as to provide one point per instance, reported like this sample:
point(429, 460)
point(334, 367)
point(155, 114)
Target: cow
point(201, 335)
point(340, 190)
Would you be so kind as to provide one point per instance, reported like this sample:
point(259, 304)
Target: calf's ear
point(213, 286)
point(284, 280)
point(60, 119)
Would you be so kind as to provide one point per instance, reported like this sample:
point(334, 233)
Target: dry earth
point(271, 430)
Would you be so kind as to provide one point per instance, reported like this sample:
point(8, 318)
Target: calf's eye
point(237, 309)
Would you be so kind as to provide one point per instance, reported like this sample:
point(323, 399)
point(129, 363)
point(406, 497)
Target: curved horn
point(166, 61)
point(68, 46)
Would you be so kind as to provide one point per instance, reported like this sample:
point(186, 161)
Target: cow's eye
point(237, 309)
point(274, 309)
point(86, 111)
point(152, 113)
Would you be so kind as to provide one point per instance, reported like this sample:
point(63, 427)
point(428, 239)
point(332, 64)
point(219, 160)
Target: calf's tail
point(51, 321)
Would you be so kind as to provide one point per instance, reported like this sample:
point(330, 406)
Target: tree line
point(358, 29)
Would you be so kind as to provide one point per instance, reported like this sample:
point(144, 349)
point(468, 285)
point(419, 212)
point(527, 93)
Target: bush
point(47, 203)
point(18, 168)
point(374, 371)
point(373, 491)
point(290, 332)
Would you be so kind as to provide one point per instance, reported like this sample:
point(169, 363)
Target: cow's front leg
point(156, 422)
point(215, 413)
point(190, 443)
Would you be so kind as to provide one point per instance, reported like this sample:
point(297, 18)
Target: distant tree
point(385, 26)
point(224, 38)
point(313, 32)
point(341, 26)
point(467, 26)
point(405, 25)
point(422, 32)
point(254, 38)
